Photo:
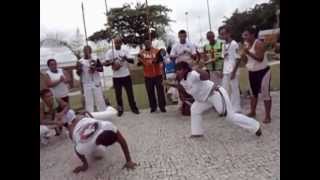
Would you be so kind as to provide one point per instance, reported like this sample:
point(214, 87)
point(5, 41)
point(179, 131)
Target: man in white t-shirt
point(90, 135)
point(208, 95)
point(183, 50)
point(57, 80)
point(118, 58)
point(89, 69)
point(230, 68)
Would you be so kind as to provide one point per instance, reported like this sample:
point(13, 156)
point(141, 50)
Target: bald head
point(117, 42)
point(210, 37)
point(147, 44)
point(87, 51)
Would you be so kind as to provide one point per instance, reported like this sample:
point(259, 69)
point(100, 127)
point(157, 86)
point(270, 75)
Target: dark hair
point(182, 32)
point(183, 65)
point(106, 138)
point(210, 32)
point(50, 60)
point(252, 30)
point(89, 47)
point(44, 92)
point(226, 28)
point(220, 28)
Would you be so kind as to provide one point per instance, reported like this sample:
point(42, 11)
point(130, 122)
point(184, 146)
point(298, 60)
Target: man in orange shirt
point(149, 58)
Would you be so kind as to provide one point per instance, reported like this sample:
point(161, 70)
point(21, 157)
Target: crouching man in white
point(207, 95)
point(88, 134)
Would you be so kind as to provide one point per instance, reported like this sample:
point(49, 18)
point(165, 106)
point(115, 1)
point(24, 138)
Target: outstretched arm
point(125, 149)
point(84, 161)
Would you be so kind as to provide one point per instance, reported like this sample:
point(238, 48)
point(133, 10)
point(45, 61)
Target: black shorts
point(255, 79)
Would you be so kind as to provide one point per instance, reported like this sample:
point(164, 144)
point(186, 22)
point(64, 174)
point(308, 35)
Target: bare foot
point(196, 136)
point(251, 114)
point(267, 120)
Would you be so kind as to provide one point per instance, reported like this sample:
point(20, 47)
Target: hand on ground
point(130, 165)
point(80, 168)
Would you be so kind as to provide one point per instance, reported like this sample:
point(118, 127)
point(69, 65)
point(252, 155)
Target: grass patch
point(140, 93)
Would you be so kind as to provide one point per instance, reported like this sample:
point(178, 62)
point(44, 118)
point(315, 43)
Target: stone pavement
point(159, 143)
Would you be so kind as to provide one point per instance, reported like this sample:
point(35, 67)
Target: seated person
point(52, 110)
point(88, 134)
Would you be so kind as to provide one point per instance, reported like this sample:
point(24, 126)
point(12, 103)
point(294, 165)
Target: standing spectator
point(183, 50)
point(153, 76)
point(230, 68)
point(118, 58)
point(57, 80)
point(213, 50)
point(89, 69)
point(259, 72)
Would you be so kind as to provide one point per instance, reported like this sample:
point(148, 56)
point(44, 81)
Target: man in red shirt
point(152, 67)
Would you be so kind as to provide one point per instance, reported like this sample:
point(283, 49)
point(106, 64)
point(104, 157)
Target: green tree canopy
point(131, 23)
point(263, 16)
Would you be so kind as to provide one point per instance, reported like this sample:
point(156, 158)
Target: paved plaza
point(160, 144)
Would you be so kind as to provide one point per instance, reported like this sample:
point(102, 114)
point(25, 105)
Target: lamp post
point(209, 18)
point(200, 31)
point(187, 25)
point(84, 24)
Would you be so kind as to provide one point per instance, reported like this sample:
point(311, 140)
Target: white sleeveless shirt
point(60, 90)
point(254, 65)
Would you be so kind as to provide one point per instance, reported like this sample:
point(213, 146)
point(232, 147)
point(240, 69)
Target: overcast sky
point(66, 16)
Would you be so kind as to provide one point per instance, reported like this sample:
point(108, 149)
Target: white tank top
point(254, 65)
point(60, 90)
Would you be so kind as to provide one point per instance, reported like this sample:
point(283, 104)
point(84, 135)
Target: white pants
point(93, 96)
point(216, 101)
point(235, 92)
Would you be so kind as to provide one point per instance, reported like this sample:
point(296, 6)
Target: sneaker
point(153, 110)
point(163, 110)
